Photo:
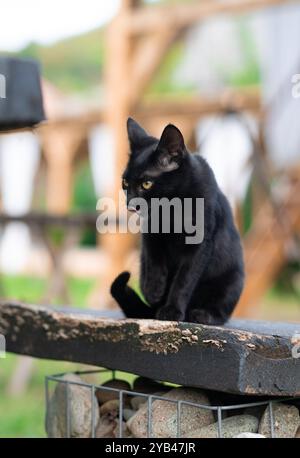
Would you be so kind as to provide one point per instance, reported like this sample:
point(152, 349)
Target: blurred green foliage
point(249, 75)
point(247, 209)
point(164, 82)
point(288, 281)
point(84, 198)
point(74, 64)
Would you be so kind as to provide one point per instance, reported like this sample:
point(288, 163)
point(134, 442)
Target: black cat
point(180, 281)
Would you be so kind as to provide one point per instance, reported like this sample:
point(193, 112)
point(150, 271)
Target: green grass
point(279, 306)
point(30, 289)
point(23, 288)
point(23, 416)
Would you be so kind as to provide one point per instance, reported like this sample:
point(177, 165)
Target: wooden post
point(118, 93)
point(59, 147)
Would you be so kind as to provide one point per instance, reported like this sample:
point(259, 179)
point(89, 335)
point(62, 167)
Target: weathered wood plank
point(243, 357)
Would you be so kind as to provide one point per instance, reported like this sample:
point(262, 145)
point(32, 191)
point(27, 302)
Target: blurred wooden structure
point(138, 39)
point(268, 244)
point(71, 227)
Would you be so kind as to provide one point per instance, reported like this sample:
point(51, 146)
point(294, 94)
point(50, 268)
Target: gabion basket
point(220, 411)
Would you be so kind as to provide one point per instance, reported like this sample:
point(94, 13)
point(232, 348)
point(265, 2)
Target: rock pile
point(101, 412)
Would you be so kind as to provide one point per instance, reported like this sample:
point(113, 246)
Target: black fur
point(198, 283)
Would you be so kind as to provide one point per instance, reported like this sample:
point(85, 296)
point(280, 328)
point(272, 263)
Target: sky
point(24, 21)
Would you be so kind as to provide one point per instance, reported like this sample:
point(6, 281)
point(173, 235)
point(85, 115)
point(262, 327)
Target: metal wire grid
point(150, 399)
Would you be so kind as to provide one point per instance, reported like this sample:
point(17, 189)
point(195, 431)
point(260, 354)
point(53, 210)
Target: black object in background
point(21, 103)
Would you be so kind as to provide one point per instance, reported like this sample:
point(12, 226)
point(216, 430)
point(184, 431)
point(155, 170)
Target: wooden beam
point(192, 107)
point(39, 219)
point(244, 357)
point(196, 106)
point(59, 148)
point(118, 93)
point(180, 16)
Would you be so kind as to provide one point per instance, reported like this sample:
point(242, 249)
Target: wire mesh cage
point(68, 412)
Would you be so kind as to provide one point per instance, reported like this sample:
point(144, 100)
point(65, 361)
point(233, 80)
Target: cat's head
point(154, 165)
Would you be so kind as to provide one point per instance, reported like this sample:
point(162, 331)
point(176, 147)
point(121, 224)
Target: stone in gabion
point(110, 409)
point(80, 408)
point(231, 427)
point(105, 428)
point(125, 430)
point(137, 401)
point(128, 413)
point(249, 436)
point(164, 415)
point(286, 421)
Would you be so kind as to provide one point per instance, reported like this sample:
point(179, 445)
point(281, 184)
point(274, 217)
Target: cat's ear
point(171, 148)
point(136, 134)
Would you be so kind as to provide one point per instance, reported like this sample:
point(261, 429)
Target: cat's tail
point(131, 304)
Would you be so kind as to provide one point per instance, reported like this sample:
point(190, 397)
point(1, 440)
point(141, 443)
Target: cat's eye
point(147, 184)
point(125, 183)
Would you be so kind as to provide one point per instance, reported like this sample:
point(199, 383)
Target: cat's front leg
point(184, 283)
point(154, 284)
point(153, 280)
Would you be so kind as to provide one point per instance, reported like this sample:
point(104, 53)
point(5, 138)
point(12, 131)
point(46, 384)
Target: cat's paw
point(153, 296)
point(119, 284)
point(154, 288)
point(203, 317)
point(169, 313)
